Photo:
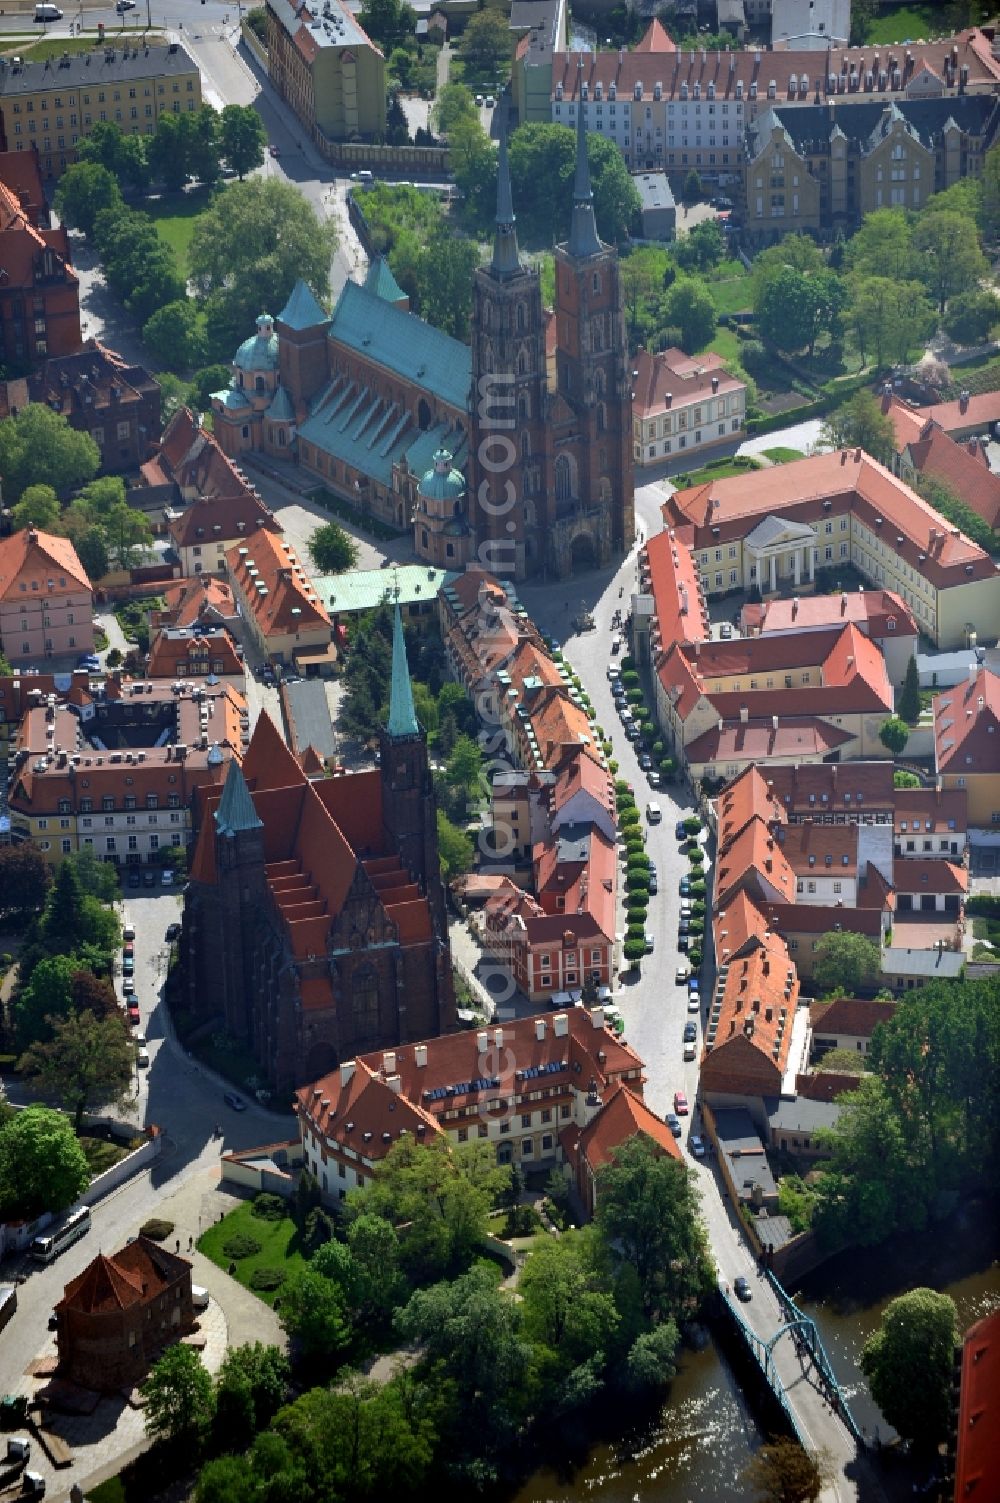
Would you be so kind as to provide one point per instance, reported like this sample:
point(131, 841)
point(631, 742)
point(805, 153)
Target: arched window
point(525, 445)
point(564, 478)
point(364, 1002)
point(487, 315)
point(599, 383)
point(521, 316)
point(602, 417)
point(596, 282)
point(522, 363)
point(260, 384)
point(423, 415)
point(524, 405)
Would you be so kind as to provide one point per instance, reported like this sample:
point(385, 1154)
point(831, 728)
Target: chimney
point(395, 1083)
point(420, 1056)
point(774, 722)
point(346, 1072)
point(482, 1041)
point(744, 715)
point(795, 606)
point(597, 1017)
point(498, 1038)
point(560, 1025)
point(539, 1029)
point(715, 383)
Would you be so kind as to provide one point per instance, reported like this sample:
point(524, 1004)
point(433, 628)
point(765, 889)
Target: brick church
point(531, 425)
point(314, 919)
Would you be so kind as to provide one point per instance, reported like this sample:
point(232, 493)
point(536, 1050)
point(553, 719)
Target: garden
point(259, 1244)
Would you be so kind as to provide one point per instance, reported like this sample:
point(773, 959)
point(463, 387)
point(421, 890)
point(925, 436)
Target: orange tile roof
point(981, 411)
point(740, 800)
point(967, 726)
point(977, 1453)
point(850, 1015)
point(136, 1275)
point(837, 785)
point(190, 602)
point(730, 508)
point(817, 919)
point(761, 741)
point(934, 808)
point(734, 925)
point(269, 762)
point(23, 242)
point(670, 379)
point(870, 610)
point(221, 518)
point(290, 604)
point(915, 875)
point(962, 470)
point(675, 584)
point(754, 855)
point(31, 551)
point(754, 1029)
point(581, 774)
point(559, 725)
point(170, 652)
point(623, 1116)
point(21, 172)
point(811, 848)
point(655, 39)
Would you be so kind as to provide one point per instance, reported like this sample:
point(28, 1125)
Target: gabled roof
point(655, 39)
point(746, 796)
point(623, 1116)
point(276, 589)
point(670, 374)
point(381, 282)
point(967, 726)
point(756, 1004)
point(933, 876)
point(871, 610)
point(851, 1016)
point(136, 1275)
point(962, 469)
point(32, 552)
point(402, 343)
point(754, 856)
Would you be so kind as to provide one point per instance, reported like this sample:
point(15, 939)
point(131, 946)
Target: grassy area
point(781, 455)
point(907, 24)
point(717, 469)
point(725, 343)
point(101, 1155)
point(279, 1246)
point(731, 296)
point(175, 216)
point(38, 51)
point(111, 1491)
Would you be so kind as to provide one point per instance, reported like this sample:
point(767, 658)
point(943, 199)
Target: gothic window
point(522, 363)
point(423, 415)
point(524, 405)
point(487, 315)
point(602, 417)
point(564, 478)
point(525, 445)
point(605, 489)
point(521, 320)
point(488, 359)
point(596, 283)
point(599, 383)
point(365, 1004)
point(597, 334)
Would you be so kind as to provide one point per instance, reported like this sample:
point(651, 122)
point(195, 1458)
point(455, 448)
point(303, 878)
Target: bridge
point(787, 1349)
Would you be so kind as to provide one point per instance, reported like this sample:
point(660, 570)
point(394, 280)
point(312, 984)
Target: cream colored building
point(683, 404)
point(327, 68)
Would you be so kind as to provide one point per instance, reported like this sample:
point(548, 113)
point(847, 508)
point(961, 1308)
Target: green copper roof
point(443, 482)
point(583, 237)
point(402, 343)
point(236, 811)
point(302, 311)
point(281, 409)
point(402, 716)
point(260, 351)
point(232, 398)
point(382, 283)
point(364, 589)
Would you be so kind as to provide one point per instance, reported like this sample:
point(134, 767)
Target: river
point(695, 1450)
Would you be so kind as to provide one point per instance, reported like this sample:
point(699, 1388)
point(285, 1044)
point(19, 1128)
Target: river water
point(695, 1449)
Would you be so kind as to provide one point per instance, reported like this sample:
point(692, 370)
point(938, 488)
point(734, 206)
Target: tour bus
point(44, 1249)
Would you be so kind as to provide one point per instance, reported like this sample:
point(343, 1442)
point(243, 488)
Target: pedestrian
point(178, 1244)
point(190, 1243)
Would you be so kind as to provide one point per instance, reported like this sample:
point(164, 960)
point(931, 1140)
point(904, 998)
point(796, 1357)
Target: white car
point(168, 878)
point(681, 975)
point(142, 1059)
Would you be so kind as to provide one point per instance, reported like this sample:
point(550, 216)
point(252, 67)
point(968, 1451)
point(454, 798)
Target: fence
point(408, 161)
point(253, 43)
point(126, 1168)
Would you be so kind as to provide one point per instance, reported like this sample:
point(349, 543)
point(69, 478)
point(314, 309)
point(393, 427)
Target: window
point(525, 1119)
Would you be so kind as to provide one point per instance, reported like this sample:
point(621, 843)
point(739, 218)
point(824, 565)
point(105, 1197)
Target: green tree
point(991, 193)
point(379, 1286)
point(38, 447)
point(167, 152)
point(647, 1206)
point(242, 138)
point(794, 253)
point(174, 335)
point(249, 248)
point(92, 552)
point(563, 1304)
point(473, 162)
point(860, 423)
point(38, 507)
point(903, 779)
point(783, 1472)
point(690, 309)
point(88, 1062)
point(388, 21)
point(956, 511)
point(444, 280)
point(204, 145)
point(123, 156)
point(889, 318)
point(456, 850)
point(845, 962)
point(949, 260)
point(333, 550)
point(24, 879)
point(74, 919)
point(793, 308)
point(486, 43)
point(209, 379)
point(251, 1387)
point(871, 1187)
point(909, 1364)
point(42, 1166)
point(651, 1360)
point(703, 247)
point(84, 190)
point(542, 165)
point(454, 102)
point(972, 315)
point(313, 1311)
point(359, 1440)
point(47, 994)
point(894, 734)
point(882, 246)
point(692, 187)
point(908, 708)
point(178, 1397)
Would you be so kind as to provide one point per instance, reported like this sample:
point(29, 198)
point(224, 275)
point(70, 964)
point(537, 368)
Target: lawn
point(175, 216)
point(717, 469)
point(725, 343)
point(279, 1246)
point(101, 1155)
point(731, 296)
point(781, 455)
point(111, 1491)
point(907, 24)
point(56, 46)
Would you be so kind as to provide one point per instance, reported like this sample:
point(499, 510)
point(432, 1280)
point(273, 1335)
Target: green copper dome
point(260, 352)
point(443, 482)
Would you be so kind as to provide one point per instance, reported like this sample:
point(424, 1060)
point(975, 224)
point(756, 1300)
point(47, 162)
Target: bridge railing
point(761, 1354)
point(810, 1335)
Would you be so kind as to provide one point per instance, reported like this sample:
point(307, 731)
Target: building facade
point(50, 105)
point(40, 292)
point(966, 727)
point(683, 404)
point(46, 598)
point(326, 68)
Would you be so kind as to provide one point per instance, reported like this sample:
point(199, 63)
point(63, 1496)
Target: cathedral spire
point(506, 262)
point(402, 716)
point(583, 237)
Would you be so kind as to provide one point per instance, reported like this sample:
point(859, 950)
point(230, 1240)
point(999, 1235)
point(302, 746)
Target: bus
point(44, 1249)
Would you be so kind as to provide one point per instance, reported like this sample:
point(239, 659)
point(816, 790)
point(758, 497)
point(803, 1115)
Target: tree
point(647, 1205)
point(444, 280)
point(909, 1364)
point(909, 700)
point(651, 1360)
point(314, 1313)
point(167, 152)
point(92, 552)
point(454, 102)
point(42, 1166)
point(782, 1472)
point(949, 260)
point(204, 144)
point(251, 1387)
point(692, 187)
point(956, 511)
point(894, 734)
point(991, 193)
point(97, 878)
point(74, 919)
point(38, 507)
point(794, 253)
point(542, 166)
point(84, 190)
point(563, 1306)
point(332, 549)
point(47, 994)
point(793, 308)
point(861, 424)
point(174, 335)
point(178, 1397)
point(455, 848)
point(209, 379)
point(88, 1062)
point(703, 247)
point(689, 308)
point(972, 315)
point(871, 1187)
point(242, 138)
point(889, 318)
point(24, 878)
point(882, 246)
point(486, 43)
point(845, 962)
point(388, 21)
point(249, 248)
point(38, 447)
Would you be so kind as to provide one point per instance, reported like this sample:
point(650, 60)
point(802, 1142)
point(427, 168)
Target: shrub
point(241, 1246)
point(692, 824)
point(634, 696)
point(698, 908)
point(697, 928)
point(694, 958)
point(612, 767)
point(634, 950)
point(692, 847)
point(522, 1221)
point(157, 1229)
point(638, 862)
point(697, 888)
point(635, 916)
point(621, 786)
point(630, 679)
point(637, 881)
point(269, 1208)
point(267, 1278)
point(627, 664)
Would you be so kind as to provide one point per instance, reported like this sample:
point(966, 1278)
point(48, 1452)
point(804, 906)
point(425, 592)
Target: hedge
point(984, 905)
point(819, 408)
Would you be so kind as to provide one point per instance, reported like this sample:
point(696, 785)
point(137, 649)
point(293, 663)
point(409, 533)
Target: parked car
point(684, 887)
point(133, 1013)
point(697, 1146)
point(167, 878)
point(679, 831)
point(690, 1052)
point(491, 103)
point(134, 878)
point(149, 879)
point(128, 986)
point(725, 630)
point(650, 944)
point(694, 1001)
point(654, 885)
point(742, 1290)
point(680, 1103)
point(142, 1058)
point(274, 151)
point(236, 1102)
point(121, 6)
point(646, 762)
point(684, 926)
point(128, 949)
point(633, 732)
point(681, 975)
point(613, 672)
point(690, 1032)
point(653, 779)
point(653, 812)
point(674, 1123)
point(173, 932)
point(686, 909)
point(128, 966)
point(683, 943)
point(479, 101)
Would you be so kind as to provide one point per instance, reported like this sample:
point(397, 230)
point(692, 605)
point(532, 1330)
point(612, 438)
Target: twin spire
point(402, 715)
point(583, 237)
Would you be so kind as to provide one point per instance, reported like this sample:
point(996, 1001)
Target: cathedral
point(314, 917)
point(514, 452)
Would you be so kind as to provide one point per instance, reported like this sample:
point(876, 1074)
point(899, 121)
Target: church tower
point(506, 419)
point(220, 969)
point(589, 475)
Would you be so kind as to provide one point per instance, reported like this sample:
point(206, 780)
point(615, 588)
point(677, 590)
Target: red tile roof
point(623, 1116)
point(843, 785)
point(21, 172)
point(754, 1028)
point(655, 39)
point(807, 847)
point(173, 648)
point(136, 1275)
point(933, 808)
point(23, 244)
point(980, 411)
point(280, 594)
point(760, 741)
point(671, 576)
point(850, 1015)
point(967, 726)
point(191, 602)
point(963, 470)
point(754, 856)
point(977, 1455)
point(935, 876)
point(36, 553)
point(670, 379)
point(870, 610)
point(817, 919)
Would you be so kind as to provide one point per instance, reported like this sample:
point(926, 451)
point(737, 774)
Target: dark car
point(685, 887)
point(128, 966)
point(679, 831)
point(654, 885)
point(697, 1145)
point(684, 926)
point(173, 932)
point(674, 1123)
point(683, 942)
point(646, 762)
point(236, 1102)
point(134, 878)
point(53, 1322)
point(149, 878)
point(690, 1032)
point(742, 1290)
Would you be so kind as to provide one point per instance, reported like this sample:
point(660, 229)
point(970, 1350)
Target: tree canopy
point(242, 138)
point(332, 549)
point(87, 1062)
point(542, 162)
point(178, 1397)
point(846, 962)
point(42, 1166)
point(860, 423)
point(38, 447)
point(909, 1364)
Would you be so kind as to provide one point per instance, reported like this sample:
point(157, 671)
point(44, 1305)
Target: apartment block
point(46, 598)
point(327, 69)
